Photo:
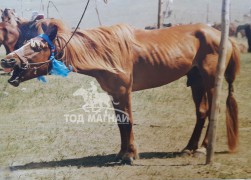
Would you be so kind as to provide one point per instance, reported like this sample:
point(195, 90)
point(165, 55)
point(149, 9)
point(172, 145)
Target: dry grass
point(37, 143)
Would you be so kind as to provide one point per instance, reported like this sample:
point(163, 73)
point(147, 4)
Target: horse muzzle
point(8, 64)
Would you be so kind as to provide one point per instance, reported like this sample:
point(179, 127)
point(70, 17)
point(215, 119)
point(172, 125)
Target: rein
point(57, 67)
point(41, 64)
point(86, 6)
point(52, 46)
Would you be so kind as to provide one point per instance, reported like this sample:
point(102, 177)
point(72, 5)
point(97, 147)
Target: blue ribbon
point(57, 67)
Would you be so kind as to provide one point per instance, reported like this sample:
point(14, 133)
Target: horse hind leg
point(231, 109)
point(200, 100)
point(203, 149)
point(205, 106)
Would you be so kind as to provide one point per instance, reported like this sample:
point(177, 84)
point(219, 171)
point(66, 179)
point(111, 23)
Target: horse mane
point(103, 48)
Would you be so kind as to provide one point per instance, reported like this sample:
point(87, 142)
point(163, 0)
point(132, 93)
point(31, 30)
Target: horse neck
point(20, 42)
point(3, 41)
point(61, 55)
point(89, 53)
point(10, 38)
point(27, 30)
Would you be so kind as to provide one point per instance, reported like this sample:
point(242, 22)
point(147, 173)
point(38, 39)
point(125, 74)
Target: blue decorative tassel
point(59, 68)
point(42, 79)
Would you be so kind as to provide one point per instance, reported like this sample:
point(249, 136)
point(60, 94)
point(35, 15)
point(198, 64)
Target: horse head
point(9, 15)
point(9, 36)
point(15, 31)
point(32, 59)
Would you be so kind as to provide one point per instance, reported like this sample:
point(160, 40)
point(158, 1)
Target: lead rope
point(54, 57)
point(86, 6)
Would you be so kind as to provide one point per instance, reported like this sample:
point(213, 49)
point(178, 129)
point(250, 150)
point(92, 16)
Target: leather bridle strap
point(51, 45)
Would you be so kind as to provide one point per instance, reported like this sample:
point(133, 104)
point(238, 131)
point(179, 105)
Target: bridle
point(35, 68)
point(53, 48)
point(38, 65)
point(52, 54)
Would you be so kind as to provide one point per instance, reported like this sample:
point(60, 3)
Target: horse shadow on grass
point(91, 161)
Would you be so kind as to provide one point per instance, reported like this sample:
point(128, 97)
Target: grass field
point(37, 143)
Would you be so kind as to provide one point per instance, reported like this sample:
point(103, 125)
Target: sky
point(139, 13)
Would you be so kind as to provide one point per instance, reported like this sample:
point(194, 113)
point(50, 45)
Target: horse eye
point(36, 48)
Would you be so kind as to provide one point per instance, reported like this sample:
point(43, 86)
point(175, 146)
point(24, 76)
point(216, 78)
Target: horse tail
point(232, 69)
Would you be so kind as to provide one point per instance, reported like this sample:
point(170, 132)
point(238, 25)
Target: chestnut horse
point(232, 28)
point(9, 36)
point(124, 59)
point(14, 37)
point(14, 31)
point(9, 33)
point(9, 15)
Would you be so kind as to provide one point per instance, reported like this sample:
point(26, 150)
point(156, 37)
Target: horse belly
point(146, 76)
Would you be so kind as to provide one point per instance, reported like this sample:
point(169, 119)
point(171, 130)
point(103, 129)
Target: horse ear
point(51, 30)
point(1, 11)
point(18, 20)
point(41, 26)
point(44, 27)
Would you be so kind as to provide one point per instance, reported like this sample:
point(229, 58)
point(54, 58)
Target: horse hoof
point(200, 153)
point(118, 159)
point(185, 153)
point(127, 161)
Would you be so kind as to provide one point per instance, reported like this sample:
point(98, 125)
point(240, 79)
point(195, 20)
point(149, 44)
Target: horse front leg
point(123, 112)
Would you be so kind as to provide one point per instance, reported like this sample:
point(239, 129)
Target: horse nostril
point(8, 63)
point(3, 62)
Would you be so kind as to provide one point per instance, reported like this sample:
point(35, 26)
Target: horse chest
point(113, 84)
